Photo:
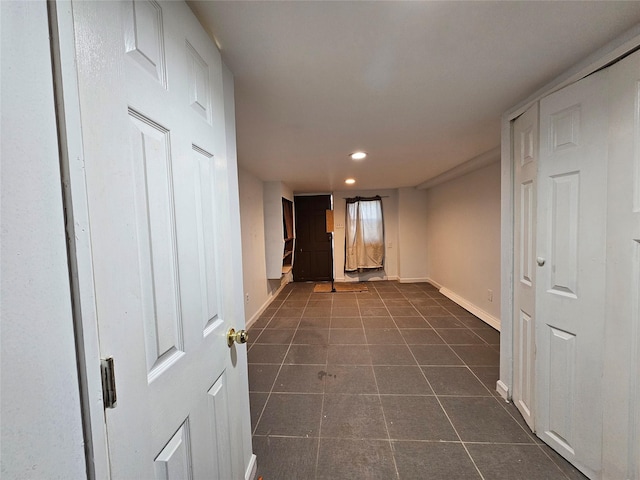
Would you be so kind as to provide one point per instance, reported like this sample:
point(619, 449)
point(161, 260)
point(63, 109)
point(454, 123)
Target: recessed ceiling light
point(349, 181)
point(358, 155)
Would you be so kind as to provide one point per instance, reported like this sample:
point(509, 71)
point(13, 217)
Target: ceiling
point(420, 86)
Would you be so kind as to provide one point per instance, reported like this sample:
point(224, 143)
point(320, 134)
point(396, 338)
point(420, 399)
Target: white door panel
point(157, 185)
point(525, 134)
point(622, 334)
point(571, 224)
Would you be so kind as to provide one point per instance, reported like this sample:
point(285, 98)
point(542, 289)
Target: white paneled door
point(525, 155)
point(622, 360)
point(161, 195)
point(570, 245)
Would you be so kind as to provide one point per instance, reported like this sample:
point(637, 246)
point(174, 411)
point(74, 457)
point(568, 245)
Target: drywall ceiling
point(419, 86)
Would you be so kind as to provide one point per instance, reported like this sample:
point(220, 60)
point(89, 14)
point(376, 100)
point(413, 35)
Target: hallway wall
point(254, 270)
point(463, 240)
point(41, 423)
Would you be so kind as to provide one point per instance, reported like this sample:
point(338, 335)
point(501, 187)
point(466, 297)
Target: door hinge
point(107, 370)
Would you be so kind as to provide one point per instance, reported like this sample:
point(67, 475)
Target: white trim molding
point(413, 280)
point(477, 311)
point(503, 390)
point(252, 468)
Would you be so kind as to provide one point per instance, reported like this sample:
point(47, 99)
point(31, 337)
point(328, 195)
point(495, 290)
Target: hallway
point(398, 382)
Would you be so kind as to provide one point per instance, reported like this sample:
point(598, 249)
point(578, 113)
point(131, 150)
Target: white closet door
point(571, 233)
point(525, 155)
point(622, 330)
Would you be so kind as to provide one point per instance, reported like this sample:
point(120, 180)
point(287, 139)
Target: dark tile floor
point(398, 382)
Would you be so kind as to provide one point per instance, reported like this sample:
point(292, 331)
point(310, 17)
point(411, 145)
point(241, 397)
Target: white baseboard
point(478, 312)
point(357, 279)
point(264, 306)
point(503, 390)
point(434, 283)
point(413, 280)
point(252, 468)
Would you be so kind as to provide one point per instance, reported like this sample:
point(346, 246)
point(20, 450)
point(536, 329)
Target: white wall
point(412, 235)
point(256, 284)
point(390, 214)
point(463, 248)
point(41, 424)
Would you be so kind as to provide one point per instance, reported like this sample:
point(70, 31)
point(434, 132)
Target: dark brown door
point(314, 255)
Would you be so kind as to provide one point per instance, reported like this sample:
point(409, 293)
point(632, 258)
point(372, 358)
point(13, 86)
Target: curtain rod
point(381, 196)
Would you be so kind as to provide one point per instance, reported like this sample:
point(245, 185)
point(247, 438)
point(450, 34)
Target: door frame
point(619, 47)
point(79, 253)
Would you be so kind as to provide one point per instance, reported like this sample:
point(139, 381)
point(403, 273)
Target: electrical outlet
point(246, 297)
point(490, 295)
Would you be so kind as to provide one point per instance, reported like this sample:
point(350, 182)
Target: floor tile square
point(311, 336)
point(284, 322)
point(285, 458)
point(370, 302)
point(311, 312)
point(300, 379)
point(346, 322)
point(352, 416)
point(291, 415)
point(276, 336)
point(345, 311)
point(346, 336)
point(460, 336)
point(257, 400)
point(341, 459)
point(445, 322)
point(285, 311)
point(345, 301)
point(314, 322)
point(508, 462)
point(435, 355)
point(433, 311)
point(421, 336)
point(482, 419)
point(263, 353)
point(423, 301)
point(489, 335)
point(261, 321)
point(349, 355)
point(416, 418)
point(354, 379)
point(402, 311)
point(307, 355)
point(472, 322)
point(261, 377)
point(378, 322)
point(397, 302)
point(488, 375)
point(411, 322)
point(401, 380)
point(454, 381)
point(433, 461)
point(391, 355)
point(383, 336)
point(374, 311)
point(478, 355)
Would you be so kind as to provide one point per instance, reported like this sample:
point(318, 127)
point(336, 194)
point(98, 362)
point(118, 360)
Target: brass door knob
point(240, 336)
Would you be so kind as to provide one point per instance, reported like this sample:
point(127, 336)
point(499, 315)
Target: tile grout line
point(281, 363)
point(375, 379)
point(444, 410)
point(324, 384)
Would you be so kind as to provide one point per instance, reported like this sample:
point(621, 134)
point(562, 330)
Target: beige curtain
point(364, 234)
